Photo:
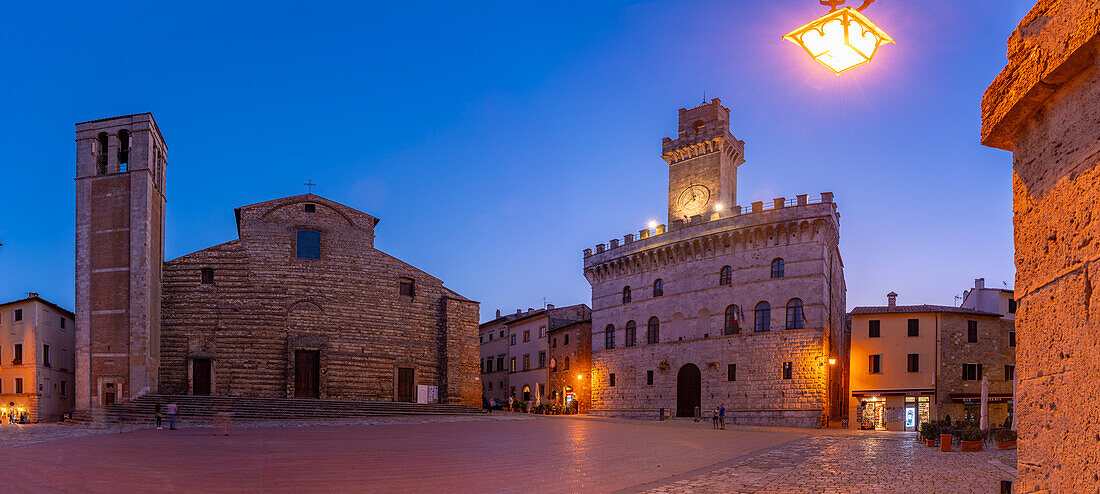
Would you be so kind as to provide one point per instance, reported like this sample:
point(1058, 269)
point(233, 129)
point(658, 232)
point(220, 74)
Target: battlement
point(651, 235)
point(701, 130)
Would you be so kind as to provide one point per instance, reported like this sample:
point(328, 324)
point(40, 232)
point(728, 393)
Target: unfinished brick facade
point(1045, 108)
point(681, 281)
point(262, 304)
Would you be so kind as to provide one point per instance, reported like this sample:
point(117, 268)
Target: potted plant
point(1005, 438)
point(971, 439)
point(929, 431)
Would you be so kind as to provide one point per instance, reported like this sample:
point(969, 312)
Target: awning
point(894, 392)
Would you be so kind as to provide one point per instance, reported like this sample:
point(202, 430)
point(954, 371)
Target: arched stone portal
point(688, 390)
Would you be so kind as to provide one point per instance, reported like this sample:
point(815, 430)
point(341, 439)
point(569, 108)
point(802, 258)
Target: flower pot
point(930, 442)
point(945, 442)
point(1006, 444)
point(970, 445)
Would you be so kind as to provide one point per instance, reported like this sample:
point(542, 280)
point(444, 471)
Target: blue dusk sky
point(497, 140)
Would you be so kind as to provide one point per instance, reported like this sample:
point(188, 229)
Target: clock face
point(694, 199)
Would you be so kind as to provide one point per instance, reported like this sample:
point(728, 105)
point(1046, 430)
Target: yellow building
point(915, 363)
point(36, 360)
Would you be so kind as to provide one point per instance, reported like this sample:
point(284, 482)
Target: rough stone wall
point(992, 351)
point(579, 352)
point(1045, 107)
point(265, 303)
point(462, 372)
point(758, 396)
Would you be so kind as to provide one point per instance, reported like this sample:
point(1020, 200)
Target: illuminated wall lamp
point(841, 39)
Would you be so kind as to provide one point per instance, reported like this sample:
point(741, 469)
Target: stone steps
point(203, 408)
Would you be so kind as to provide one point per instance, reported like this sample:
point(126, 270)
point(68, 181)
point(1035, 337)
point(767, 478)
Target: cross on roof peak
point(309, 184)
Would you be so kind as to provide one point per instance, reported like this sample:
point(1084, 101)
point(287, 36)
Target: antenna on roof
point(704, 97)
point(957, 300)
point(1005, 283)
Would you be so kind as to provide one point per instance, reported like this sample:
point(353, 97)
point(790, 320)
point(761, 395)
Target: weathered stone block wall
point(758, 396)
point(265, 303)
point(462, 371)
point(578, 376)
point(1045, 108)
point(992, 351)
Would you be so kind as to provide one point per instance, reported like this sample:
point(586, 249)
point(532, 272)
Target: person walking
point(722, 415)
point(172, 410)
point(158, 415)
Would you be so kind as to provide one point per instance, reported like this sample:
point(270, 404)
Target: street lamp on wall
point(842, 39)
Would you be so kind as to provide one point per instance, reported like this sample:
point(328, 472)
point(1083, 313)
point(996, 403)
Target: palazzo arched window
point(725, 276)
point(733, 320)
point(763, 317)
point(777, 268)
point(626, 294)
point(653, 331)
point(794, 314)
point(609, 337)
point(658, 287)
point(631, 333)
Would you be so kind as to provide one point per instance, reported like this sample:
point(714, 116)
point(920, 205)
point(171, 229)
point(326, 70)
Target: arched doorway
point(688, 390)
point(526, 393)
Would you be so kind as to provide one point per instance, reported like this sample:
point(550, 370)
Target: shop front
point(968, 406)
point(892, 410)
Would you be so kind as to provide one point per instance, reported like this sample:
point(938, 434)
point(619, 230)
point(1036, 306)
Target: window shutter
point(979, 372)
point(964, 372)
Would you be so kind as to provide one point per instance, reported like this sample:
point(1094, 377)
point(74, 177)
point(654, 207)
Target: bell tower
point(120, 171)
point(702, 162)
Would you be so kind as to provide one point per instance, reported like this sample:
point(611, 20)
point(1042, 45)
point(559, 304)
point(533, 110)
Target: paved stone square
point(499, 453)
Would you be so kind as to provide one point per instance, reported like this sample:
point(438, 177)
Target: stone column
point(1045, 108)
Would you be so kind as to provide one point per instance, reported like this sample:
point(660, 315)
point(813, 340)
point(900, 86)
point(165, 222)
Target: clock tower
point(702, 162)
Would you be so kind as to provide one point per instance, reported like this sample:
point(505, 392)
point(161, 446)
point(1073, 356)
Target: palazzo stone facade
point(726, 305)
point(301, 304)
point(1044, 107)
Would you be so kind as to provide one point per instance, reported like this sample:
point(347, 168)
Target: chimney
point(979, 283)
point(519, 311)
point(498, 313)
point(529, 309)
point(892, 299)
point(32, 294)
point(549, 306)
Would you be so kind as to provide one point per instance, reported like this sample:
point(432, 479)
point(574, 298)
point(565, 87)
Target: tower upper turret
point(703, 161)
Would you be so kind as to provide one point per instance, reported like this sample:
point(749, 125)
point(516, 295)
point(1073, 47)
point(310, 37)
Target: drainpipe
point(936, 369)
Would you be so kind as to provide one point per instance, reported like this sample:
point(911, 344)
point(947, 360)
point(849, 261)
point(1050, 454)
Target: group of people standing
point(719, 417)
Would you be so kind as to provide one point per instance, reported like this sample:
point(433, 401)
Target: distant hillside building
point(917, 363)
point(301, 304)
point(37, 338)
point(742, 306)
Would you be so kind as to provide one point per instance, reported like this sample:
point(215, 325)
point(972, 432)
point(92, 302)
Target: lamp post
point(841, 39)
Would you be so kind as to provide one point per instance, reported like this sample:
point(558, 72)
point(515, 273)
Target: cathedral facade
point(301, 304)
point(742, 307)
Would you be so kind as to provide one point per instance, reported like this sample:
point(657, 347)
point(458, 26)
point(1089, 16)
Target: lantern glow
point(841, 39)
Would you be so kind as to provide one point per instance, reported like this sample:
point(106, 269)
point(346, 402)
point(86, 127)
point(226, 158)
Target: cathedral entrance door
point(404, 384)
point(307, 374)
point(200, 375)
point(688, 390)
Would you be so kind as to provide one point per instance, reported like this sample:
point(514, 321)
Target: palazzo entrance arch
point(688, 390)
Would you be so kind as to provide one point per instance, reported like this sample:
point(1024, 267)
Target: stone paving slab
point(544, 454)
point(851, 463)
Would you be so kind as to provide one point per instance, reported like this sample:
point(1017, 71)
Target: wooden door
point(200, 376)
point(688, 390)
point(307, 373)
point(108, 398)
point(405, 384)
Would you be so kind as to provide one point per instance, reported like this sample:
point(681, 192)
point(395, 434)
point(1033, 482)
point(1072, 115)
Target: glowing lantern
point(841, 39)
